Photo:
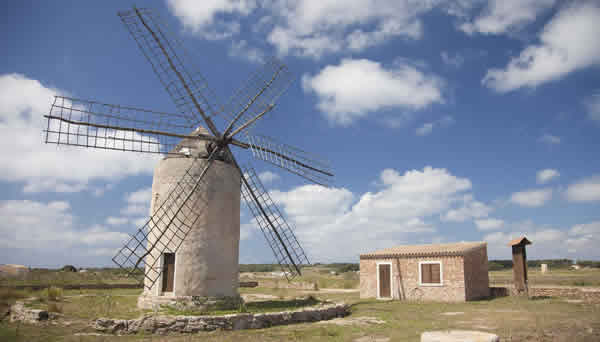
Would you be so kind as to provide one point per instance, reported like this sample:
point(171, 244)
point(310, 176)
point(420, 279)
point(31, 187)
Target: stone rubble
point(20, 313)
point(192, 324)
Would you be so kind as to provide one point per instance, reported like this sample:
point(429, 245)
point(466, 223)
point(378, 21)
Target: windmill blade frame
point(292, 159)
point(279, 234)
point(257, 95)
point(189, 91)
point(165, 219)
point(87, 123)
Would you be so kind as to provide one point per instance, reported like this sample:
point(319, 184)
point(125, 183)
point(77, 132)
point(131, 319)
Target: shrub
point(54, 293)
point(69, 268)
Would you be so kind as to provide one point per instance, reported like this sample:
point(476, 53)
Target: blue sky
point(444, 121)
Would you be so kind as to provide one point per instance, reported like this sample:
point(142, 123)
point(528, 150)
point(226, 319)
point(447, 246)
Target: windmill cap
point(519, 241)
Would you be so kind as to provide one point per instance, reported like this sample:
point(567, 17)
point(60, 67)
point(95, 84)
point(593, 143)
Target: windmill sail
point(93, 124)
point(169, 60)
point(301, 163)
point(257, 95)
point(278, 233)
point(168, 226)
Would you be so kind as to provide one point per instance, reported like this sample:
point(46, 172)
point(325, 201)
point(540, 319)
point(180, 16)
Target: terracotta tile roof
point(441, 249)
point(519, 240)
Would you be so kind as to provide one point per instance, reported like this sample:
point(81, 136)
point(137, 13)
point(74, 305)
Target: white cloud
point(455, 61)
point(531, 198)
point(586, 190)
point(241, 49)
point(592, 228)
point(31, 227)
point(502, 16)
point(23, 102)
point(546, 175)
point(489, 224)
point(569, 42)
point(592, 105)
point(206, 17)
point(116, 221)
point(268, 177)
point(427, 127)
point(470, 210)
point(313, 28)
point(400, 209)
point(580, 241)
point(138, 202)
point(143, 195)
point(549, 139)
point(344, 98)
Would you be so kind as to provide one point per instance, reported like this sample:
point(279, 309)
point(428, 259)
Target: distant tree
point(69, 268)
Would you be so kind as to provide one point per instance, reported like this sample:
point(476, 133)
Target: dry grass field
point(514, 319)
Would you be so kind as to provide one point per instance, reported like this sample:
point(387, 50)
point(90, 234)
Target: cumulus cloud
point(37, 228)
point(401, 209)
point(586, 190)
point(427, 127)
point(569, 42)
point(544, 176)
point(531, 198)
point(343, 97)
point(470, 210)
point(313, 28)
point(489, 224)
point(207, 18)
point(580, 241)
point(41, 167)
point(138, 202)
point(308, 28)
point(502, 16)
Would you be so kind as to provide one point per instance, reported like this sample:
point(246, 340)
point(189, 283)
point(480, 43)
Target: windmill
point(190, 241)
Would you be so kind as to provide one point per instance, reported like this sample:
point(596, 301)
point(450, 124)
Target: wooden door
point(385, 276)
point(168, 272)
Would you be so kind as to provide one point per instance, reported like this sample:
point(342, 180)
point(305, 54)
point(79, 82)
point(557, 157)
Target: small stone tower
point(204, 269)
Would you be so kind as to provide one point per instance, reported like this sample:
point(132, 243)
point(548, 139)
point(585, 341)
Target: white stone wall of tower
point(206, 264)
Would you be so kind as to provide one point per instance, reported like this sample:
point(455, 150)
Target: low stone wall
point(192, 324)
point(74, 286)
point(590, 295)
point(284, 284)
point(587, 294)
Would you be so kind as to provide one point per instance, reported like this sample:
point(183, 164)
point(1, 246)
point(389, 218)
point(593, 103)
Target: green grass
point(513, 318)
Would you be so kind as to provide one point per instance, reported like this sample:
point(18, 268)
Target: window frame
point(426, 262)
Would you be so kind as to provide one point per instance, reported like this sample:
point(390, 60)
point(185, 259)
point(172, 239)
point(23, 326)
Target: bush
point(69, 268)
point(54, 293)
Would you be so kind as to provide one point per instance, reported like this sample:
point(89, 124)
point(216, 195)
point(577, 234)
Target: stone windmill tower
point(188, 249)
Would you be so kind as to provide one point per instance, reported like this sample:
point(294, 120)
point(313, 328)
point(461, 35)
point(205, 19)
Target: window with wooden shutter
point(431, 273)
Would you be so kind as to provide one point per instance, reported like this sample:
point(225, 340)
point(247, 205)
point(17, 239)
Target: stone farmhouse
point(450, 272)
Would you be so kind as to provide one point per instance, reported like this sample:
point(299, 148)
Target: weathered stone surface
point(458, 336)
point(18, 312)
point(191, 324)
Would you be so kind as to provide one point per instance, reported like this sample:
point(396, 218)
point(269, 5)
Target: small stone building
point(450, 272)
